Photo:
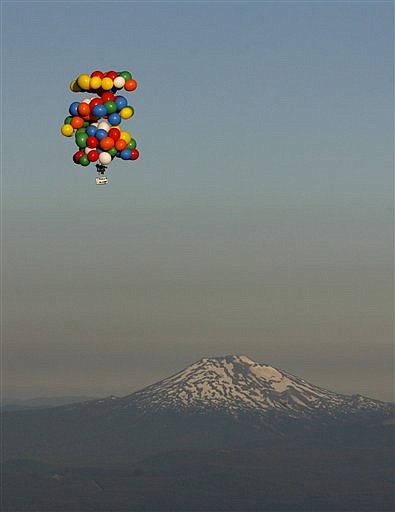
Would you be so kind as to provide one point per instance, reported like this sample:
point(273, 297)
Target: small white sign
point(101, 180)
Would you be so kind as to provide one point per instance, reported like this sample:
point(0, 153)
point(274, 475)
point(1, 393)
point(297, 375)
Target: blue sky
point(257, 220)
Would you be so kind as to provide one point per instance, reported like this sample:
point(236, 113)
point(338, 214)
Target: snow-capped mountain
point(237, 384)
point(216, 403)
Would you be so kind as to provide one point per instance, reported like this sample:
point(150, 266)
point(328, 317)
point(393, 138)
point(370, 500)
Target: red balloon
point(92, 142)
point(77, 156)
point(135, 154)
point(97, 73)
point(112, 74)
point(92, 105)
point(94, 102)
point(108, 96)
point(93, 155)
point(114, 133)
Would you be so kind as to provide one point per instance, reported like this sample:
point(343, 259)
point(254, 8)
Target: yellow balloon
point(84, 82)
point(107, 83)
point(67, 130)
point(126, 112)
point(75, 87)
point(95, 82)
point(126, 137)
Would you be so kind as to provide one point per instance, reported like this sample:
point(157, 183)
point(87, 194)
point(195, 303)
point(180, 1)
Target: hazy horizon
point(125, 391)
point(258, 219)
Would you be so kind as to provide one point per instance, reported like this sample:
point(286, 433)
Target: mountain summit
point(235, 384)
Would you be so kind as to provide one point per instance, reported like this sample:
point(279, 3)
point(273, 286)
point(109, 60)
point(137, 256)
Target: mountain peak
point(236, 384)
point(228, 358)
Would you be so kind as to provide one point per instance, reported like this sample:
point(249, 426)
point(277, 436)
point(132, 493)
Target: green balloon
point(111, 107)
point(80, 139)
point(126, 75)
point(132, 144)
point(68, 120)
point(86, 123)
point(84, 160)
point(81, 130)
point(113, 151)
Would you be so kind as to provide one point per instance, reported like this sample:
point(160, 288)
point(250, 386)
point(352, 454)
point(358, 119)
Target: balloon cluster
point(95, 121)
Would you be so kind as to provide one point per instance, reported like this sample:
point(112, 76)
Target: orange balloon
point(107, 143)
point(84, 109)
point(77, 122)
point(130, 85)
point(120, 144)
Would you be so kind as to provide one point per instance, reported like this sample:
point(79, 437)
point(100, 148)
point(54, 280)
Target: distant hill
point(42, 402)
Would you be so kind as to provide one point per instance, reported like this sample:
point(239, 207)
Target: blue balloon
point(100, 134)
point(91, 130)
point(114, 119)
point(126, 154)
point(99, 110)
point(74, 108)
point(121, 102)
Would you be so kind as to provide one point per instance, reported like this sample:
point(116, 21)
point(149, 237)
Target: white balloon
point(87, 100)
point(103, 125)
point(105, 158)
point(119, 82)
point(95, 124)
point(88, 150)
